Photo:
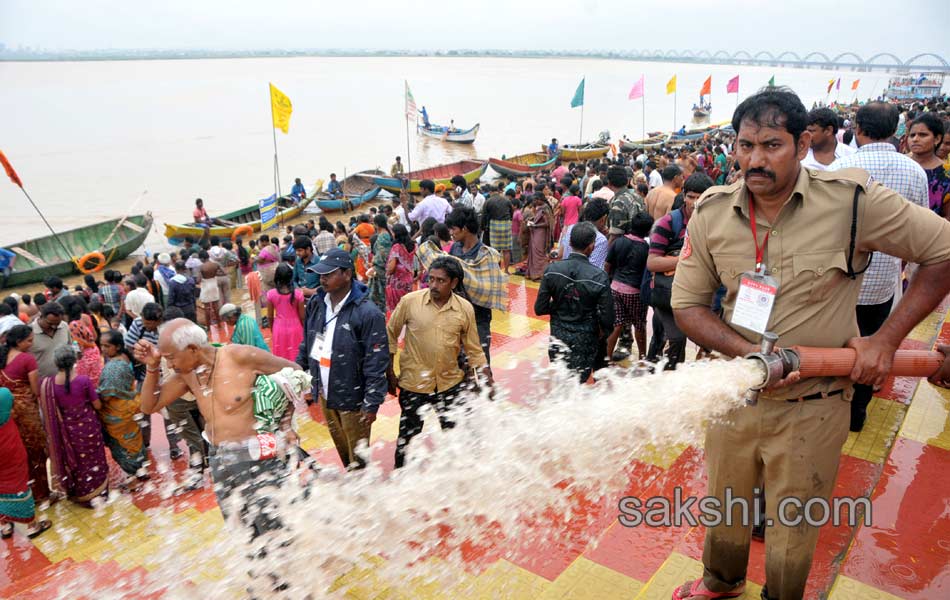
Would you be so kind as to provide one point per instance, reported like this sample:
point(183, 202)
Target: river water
point(90, 138)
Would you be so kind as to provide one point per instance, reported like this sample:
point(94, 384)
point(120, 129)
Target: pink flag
point(733, 86)
point(637, 90)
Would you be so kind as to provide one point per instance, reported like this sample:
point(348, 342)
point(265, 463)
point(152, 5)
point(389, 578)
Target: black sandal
point(6, 533)
point(42, 526)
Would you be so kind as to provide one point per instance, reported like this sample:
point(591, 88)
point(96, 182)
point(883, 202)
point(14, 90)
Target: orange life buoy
point(243, 229)
point(100, 264)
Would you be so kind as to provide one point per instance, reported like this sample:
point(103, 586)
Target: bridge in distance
point(882, 61)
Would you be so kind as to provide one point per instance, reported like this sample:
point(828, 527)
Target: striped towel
point(272, 394)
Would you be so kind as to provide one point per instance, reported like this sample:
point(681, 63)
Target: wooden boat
point(693, 134)
point(43, 257)
point(654, 141)
point(357, 189)
point(472, 170)
point(249, 215)
point(447, 134)
point(581, 151)
point(522, 164)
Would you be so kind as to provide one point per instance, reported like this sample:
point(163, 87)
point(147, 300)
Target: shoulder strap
point(852, 274)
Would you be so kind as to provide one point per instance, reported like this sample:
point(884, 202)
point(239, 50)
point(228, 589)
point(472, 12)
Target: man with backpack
point(666, 241)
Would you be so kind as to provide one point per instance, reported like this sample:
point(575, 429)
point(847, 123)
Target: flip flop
point(695, 591)
point(6, 533)
point(42, 526)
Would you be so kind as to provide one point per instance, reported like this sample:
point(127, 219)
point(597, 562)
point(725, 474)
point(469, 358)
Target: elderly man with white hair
point(223, 379)
point(164, 271)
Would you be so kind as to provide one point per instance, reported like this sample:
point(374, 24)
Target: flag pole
point(408, 157)
point(405, 102)
point(675, 92)
point(643, 115)
point(273, 131)
point(580, 140)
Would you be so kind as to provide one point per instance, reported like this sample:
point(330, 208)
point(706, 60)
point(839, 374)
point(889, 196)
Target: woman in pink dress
point(285, 313)
point(399, 269)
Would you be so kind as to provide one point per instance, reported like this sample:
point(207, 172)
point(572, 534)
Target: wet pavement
point(900, 461)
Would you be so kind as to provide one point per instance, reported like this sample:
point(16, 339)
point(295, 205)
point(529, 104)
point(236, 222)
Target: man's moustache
point(768, 174)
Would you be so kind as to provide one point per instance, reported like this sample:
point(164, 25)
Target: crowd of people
point(605, 239)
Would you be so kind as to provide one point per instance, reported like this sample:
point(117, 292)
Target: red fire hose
point(838, 362)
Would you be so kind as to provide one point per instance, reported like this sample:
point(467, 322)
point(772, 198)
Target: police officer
point(807, 235)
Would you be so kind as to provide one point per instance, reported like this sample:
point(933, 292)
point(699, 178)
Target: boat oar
point(122, 221)
point(12, 174)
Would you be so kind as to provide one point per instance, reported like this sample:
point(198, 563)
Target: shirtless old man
point(221, 380)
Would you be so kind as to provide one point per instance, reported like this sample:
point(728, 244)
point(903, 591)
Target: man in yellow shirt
point(439, 323)
point(396, 170)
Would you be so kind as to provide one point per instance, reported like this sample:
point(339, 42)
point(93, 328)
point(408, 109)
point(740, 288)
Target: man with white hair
point(164, 272)
point(222, 381)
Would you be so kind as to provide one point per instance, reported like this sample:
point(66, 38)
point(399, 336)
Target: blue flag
point(578, 99)
point(920, 79)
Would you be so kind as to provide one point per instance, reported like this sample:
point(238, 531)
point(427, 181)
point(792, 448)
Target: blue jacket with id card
point(360, 352)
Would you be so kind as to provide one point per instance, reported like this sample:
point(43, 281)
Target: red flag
point(707, 87)
point(733, 86)
point(9, 169)
point(854, 85)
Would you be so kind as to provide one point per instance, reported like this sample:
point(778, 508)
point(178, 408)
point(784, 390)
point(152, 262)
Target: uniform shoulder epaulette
point(853, 175)
point(717, 192)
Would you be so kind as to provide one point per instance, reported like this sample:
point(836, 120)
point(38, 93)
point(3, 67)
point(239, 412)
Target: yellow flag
point(671, 85)
point(281, 109)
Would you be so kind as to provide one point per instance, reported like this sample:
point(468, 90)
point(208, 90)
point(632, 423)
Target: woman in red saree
point(16, 500)
point(76, 448)
point(539, 244)
point(19, 373)
point(399, 269)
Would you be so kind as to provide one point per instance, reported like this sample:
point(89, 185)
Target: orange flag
point(9, 169)
point(707, 87)
point(854, 85)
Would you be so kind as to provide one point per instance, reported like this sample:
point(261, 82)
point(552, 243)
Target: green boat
point(42, 257)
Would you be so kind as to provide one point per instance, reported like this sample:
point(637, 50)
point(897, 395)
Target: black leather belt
point(816, 396)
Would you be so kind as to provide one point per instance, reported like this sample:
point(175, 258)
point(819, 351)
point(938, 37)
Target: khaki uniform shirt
point(806, 254)
point(428, 362)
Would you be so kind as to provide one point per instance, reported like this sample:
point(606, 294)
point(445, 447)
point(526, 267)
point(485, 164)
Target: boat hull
point(652, 142)
point(328, 205)
point(439, 132)
point(80, 241)
point(249, 215)
point(582, 152)
point(472, 170)
point(357, 188)
point(522, 165)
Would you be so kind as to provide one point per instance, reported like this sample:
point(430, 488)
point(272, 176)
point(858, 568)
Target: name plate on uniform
point(754, 302)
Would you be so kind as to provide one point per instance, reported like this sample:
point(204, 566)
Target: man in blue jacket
point(345, 348)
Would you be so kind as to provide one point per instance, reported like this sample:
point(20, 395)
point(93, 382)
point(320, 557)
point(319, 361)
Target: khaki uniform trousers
point(346, 429)
point(795, 448)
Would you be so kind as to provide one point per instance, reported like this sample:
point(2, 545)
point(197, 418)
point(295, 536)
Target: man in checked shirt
point(876, 124)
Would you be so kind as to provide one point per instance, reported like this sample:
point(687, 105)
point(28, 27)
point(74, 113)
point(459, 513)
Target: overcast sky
point(862, 26)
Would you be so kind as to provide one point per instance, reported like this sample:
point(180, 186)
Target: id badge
point(316, 351)
point(754, 301)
